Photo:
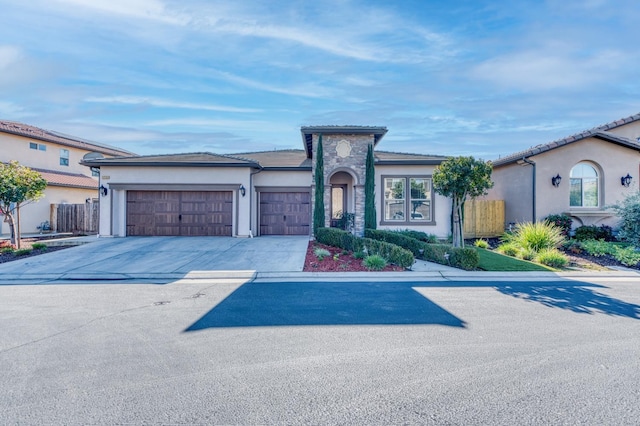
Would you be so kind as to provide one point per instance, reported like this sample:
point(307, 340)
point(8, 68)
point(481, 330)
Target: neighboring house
point(57, 157)
point(580, 175)
point(269, 193)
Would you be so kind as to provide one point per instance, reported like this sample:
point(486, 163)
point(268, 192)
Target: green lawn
point(492, 261)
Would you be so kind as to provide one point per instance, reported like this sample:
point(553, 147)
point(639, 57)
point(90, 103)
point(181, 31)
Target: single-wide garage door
point(187, 213)
point(285, 213)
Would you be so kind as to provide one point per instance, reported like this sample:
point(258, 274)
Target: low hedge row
point(463, 258)
point(345, 240)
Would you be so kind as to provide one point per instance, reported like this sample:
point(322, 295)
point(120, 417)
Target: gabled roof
point(600, 132)
point(32, 132)
point(308, 132)
point(69, 180)
point(194, 159)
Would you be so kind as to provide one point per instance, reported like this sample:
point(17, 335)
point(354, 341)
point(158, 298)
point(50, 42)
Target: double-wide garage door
point(187, 213)
point(285, 213)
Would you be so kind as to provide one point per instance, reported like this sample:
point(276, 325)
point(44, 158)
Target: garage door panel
point(285, 213)
point(173, 213)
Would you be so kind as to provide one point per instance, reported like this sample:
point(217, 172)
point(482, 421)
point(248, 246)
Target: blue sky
point(447, 78)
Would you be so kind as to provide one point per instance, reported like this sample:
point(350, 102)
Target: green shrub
point(592, 232)
point(39, 246)
point(345, 240)
point(536, 236)
point(509, 249)
point(419, 235)
point(4, 250)
point(438, 253)
point(359, 255)
point(527, 254)
point(596, 247)
point(375, 262)
point(481, 243)
point(398, 238)
point(628, 256)
point(464, 258)
point(552, 257)
point(562, 221)
point(22, 252)
point(629, 213)
point(321, 253)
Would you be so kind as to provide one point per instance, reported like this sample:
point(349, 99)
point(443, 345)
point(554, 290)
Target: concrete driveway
point(164, 257)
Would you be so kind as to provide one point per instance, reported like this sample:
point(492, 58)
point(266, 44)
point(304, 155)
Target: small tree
point(318, 207)
point(370, 219)
point(459, 178)
point(19, 185)
point(629, 212)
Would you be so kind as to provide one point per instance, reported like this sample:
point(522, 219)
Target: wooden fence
point(76, 218)
point(483, 219)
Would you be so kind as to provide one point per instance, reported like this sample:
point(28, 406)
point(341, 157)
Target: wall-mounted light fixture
point(626, 180)
point(103, 190)
point(555, 181)
point(242, 190)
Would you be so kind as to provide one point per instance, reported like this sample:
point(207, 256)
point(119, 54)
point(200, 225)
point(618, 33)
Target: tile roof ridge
point(58, 172)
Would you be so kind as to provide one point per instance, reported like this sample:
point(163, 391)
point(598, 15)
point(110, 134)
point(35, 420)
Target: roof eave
point(308, 132)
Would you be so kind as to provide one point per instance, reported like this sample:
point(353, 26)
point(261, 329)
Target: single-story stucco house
point(268, 193)
point(580, 175)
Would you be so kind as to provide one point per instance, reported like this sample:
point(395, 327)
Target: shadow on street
point(380, 303)
point(290, 304)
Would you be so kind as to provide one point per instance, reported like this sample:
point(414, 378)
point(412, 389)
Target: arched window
point(584, 186)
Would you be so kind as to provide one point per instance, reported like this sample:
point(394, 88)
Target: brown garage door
point(285, 213)
point(189, 213)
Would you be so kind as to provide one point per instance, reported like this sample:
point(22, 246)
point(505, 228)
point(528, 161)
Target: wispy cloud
point(154, 10)
point(164, 103)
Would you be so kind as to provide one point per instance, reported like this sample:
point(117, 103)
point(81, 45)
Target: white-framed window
point(64, 157)
point(407, 200)
point(37, 146)
point(584, 186)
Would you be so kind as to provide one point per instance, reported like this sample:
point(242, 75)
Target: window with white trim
point(407, 200)
point(64, 157)
point(584, 183)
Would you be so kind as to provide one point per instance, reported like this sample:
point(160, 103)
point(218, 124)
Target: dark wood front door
point(285, 213)
point(173, 213)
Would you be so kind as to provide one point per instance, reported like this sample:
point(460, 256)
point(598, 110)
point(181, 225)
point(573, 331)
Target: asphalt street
point(236, 352)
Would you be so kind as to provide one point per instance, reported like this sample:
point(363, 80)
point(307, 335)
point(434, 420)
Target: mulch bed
point(26, 244)
point(337, 261)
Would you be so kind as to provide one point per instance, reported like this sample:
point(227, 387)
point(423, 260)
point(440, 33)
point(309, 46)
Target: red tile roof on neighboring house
point(21, 129)
point(195, 159)
point(69, 180)
point(599, 132)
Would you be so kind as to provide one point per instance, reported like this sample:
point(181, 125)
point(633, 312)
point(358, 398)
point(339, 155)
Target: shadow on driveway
point(391, 303)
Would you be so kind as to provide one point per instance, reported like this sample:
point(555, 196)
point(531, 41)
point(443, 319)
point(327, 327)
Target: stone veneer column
point(343, 152)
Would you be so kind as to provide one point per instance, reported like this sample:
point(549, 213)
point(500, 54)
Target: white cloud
point(154, 10)
point(162, 103)
point(9, 55)
point(549, 69)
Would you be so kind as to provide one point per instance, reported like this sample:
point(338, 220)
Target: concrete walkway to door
point(163, 258)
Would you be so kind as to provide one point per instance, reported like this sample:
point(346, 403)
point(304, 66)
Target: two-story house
point(57, 157)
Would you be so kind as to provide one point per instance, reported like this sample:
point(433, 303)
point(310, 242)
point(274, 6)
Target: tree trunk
point(456, 223)
point(18, 235)
point(8, 218)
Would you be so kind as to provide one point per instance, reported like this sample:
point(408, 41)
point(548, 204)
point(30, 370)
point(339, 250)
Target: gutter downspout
point(533, 200)
point(251, 202)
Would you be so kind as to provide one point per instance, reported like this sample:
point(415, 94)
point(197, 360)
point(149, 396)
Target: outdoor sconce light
point(555, 181)
point(242, 190)
point(103, 190)
point(626, 180)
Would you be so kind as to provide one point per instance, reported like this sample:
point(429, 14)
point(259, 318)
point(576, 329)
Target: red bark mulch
point(337, 261)
point(25, 244)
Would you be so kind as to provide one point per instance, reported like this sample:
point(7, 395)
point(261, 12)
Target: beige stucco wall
point(33, 214)
point(441, 205)
point(17, 148)
point(113, 206)
point(612, 162)
point(631, 130)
